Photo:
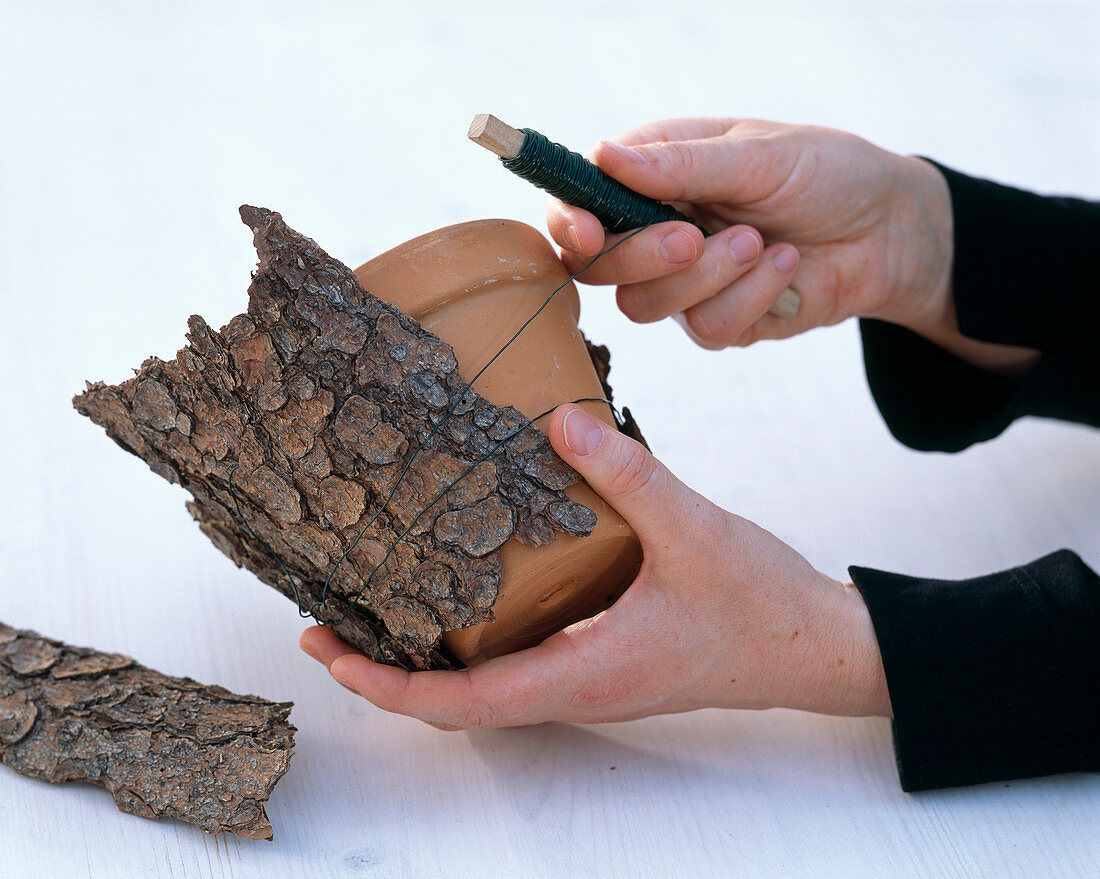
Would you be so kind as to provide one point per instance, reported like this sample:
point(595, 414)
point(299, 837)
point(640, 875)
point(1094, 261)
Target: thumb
point(625, 474)
point(736, 167)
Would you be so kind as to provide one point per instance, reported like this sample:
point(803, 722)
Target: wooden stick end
point(787, 304)
point(496, 136)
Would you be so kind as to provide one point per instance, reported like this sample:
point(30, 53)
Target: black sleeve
point(1026, 273)
point(999, 676)
point(992, 678)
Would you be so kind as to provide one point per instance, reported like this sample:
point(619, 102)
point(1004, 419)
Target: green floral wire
point(311, 611)
point(270, 551)
point(571, 178)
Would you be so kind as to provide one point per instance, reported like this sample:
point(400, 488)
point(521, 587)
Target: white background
point(130, 133)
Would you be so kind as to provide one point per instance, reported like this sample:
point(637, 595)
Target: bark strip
point(319, 396)
point(164, 747)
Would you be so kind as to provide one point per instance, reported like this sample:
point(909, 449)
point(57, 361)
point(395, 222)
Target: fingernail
point(626, 152)
point(744, 248)
point(786, 260)
point(582, 432)
point(677, 247)
point(572, 239)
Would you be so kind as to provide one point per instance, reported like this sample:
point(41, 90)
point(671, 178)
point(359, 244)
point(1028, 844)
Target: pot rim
point(457, 260)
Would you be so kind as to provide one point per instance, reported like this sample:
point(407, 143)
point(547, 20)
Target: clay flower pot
point(474, 285)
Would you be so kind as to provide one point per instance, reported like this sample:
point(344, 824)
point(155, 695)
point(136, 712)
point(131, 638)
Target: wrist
point(865, 691)
point(843, 671)
point(920, 250)
point(922, 295)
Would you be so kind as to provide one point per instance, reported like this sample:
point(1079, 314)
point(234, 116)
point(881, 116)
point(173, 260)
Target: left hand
point(722, 614)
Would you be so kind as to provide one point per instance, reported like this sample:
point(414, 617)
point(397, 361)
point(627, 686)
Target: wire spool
point(571, 178)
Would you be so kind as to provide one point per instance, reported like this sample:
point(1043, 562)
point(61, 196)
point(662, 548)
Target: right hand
point(722, 614)
point(856, 230)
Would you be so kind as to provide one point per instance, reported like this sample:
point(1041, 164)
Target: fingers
point(575, 230)
point(510, 691)
point(730, 162)
point(522, 688)
point(728, 317)
point(651, 253)
point(737, 167)
point(447, 699)
point(720, 294)
point(677, 129)
point(596, 670)
point(623, 472)
point(325, 646)
point(726, 257)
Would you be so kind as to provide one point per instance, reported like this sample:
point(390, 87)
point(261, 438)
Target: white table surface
point(129, 135)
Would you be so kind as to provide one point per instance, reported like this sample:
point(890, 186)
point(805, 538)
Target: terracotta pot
point(474, 285)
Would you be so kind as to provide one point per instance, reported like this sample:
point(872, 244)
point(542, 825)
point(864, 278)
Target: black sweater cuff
point(991, 678)
point(1024, 275)
point(933, 401)
point(1024, 268)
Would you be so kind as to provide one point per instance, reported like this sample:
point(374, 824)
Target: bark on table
point(164, 747)
point(319, 396)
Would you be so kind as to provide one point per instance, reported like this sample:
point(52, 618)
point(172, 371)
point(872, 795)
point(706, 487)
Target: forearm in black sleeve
point(1025, 273)
point(992, 678)
point(999, 676)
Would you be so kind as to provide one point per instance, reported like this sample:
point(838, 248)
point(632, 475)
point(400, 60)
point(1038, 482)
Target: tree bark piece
point(315, 400)
point(601, 360)
point(164, 747)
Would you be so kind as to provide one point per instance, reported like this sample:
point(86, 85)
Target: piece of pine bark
point(164, 747)
point(601, 360)
point(315, 401)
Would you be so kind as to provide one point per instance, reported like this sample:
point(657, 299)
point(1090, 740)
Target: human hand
point(856, 230)
point(722, 614)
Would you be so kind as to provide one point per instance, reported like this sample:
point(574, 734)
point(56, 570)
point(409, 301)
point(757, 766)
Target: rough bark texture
point(601, 360)
point(319, 395)
point(164, 747)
